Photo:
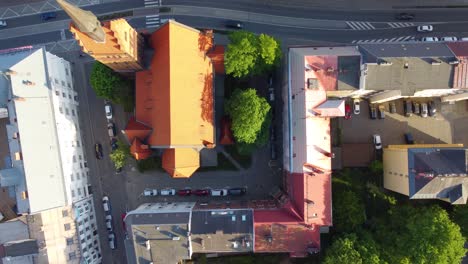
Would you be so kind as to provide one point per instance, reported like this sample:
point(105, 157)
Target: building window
point(64, 95)
point(95, 242)
point(73, 193)
point(81, 232)
point(82, 241)
point(73, 112)
point(80, 157)
point(69, 86)
point(74, 159)
point(57, 93)
point(79, 191)
point(71, 255)
point(66, 111)
point(63, 83)
point(84, 191)
point(66, 71)
point(67, 227)
point(77, 143)
point(69, 96)
point(78, 176)
point(64, 213)
point(69, 241)
point(56, 81)
point(61, 110)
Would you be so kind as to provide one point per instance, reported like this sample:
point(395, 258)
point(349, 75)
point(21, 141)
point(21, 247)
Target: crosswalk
point(153, 21)
point(401, 25)
point(395, 39)
point(360, 25)
point(153, 3)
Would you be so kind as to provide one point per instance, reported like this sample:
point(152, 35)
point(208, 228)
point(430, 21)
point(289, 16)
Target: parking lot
point(445, 127)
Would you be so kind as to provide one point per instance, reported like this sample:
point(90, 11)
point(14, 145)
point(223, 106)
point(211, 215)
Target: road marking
point(62, 34)
point(395, 39)
point(354, 25)
point(400, 25)
point(152, 3)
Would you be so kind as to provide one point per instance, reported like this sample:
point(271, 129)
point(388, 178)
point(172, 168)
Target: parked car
point(381, 111)
point(219, 192)
point(424, 110)
point(404, 16)
point(109, 223)
point(111, 238)
point(108, 108)
point(98, 150)
point(408, 108)
point(431, 108)
point(184, 192)
point(430, 39)
point(357, 106)
point(48, 16)
point(114, 144)
point(111, 129)
point(372, 112)
point(425, 28)
point(150, 192)
point(271, 94)
point(201, 192)
point(416, 108)
point(106, 204)
point(409, 138)
point(237, 191)
point(3, 23)
point(234, 24)
point(377, 141)
point(464, 39)
point(392, 107)
point(168, 192)
point(347, 112)
point(449, 39)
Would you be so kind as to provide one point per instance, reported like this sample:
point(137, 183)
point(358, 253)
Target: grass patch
point(244, 160)
point(223, 165)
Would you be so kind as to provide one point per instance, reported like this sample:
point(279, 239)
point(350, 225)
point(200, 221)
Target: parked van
point(150, 192)
point(168, 192)
point(109, 223)
point(219, 192)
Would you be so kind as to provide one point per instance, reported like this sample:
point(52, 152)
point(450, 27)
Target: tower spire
point(84, 20)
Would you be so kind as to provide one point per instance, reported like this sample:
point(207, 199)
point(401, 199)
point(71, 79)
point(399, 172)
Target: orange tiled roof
point(175, 97)
point(109, 46)
point(140, 151)
point(180, 162)
point(136, 129)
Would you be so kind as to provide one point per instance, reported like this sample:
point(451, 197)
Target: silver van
point(219, 192)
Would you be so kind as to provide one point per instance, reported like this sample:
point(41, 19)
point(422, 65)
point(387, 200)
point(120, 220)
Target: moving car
point(111, 129)
point(425, 28)
point(3, 23)
point(108, 108)
point(48, 16)
point(347, 112)
point(372, 112)
point(98, 150)
point(150, 192)
point(408, 108)
point(448, 39)
point(168, 192)
point(219, 192)
point(237, 191)
point(109, 223)
point(184, 192)
point(201, 192)
point(416, 108)
point(431, 108)
point(430, 39)
point(381, 112)
point(357, 106)
point(111, 238)
point(424, 110)
point(234, 24)
point(404, 16)
point(392, 107)
point(409, 138)
point(377, 141)
point(106, 204)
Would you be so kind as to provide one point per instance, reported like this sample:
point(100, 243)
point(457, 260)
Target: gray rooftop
point(222, 231)
point(420, 49)
point(21, 248)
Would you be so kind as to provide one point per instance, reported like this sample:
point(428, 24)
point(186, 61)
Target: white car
point(425, 28)
point(106, 204)
point(430, 39)
point(108, 109)
point(111, 238)
point(448, 39)
point(166, 192)
point(357, 106)
point(464, 39)
point(377, 141)
point(150, 192)
point(219, 192)
point(3, 23)
point(109, 223)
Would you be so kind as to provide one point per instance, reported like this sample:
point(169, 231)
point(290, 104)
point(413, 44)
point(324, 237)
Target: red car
point(201, 192)
point(347, 112)
point(184, 192)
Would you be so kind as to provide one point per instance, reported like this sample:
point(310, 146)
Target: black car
point(48, 16)
point(431, 108)
point(98, 150)
point(404, 16)
point(372, 112)
point(234, 24)
point(407, 105)
point(237, 191)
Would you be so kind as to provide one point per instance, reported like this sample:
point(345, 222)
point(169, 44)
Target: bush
point(151, 163)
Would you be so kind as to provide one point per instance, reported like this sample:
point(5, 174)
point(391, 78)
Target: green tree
point(351, 249)
point(348, 210)
point(107, 83)
point(120, 155)
point(460, 216)
point(248, 113)
point(250, 54)
point(420, 235)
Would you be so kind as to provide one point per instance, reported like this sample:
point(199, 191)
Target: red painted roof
point(139, 150)
point(460, 49)
point(136, 129)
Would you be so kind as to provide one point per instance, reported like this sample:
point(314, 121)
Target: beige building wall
point(395, 167)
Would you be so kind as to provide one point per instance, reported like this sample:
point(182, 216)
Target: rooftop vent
point(436, 62)
point(385, 63)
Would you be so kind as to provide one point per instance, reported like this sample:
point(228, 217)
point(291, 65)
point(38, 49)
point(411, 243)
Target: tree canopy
point(460, 216)
point(120, 155)
point(249, 54)
point(351, 249)
point(105, 82)
point(348, 210)
point(248, 113)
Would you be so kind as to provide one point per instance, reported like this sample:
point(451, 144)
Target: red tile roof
point(139, 150)
point(136, 129)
